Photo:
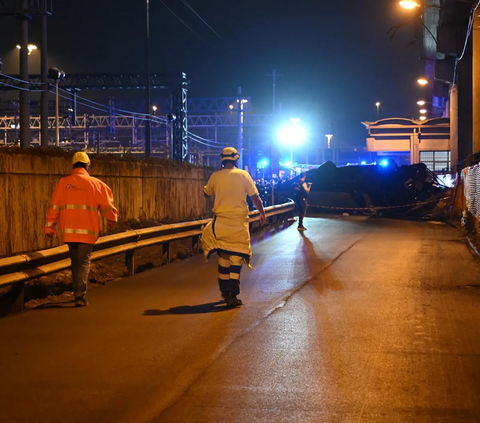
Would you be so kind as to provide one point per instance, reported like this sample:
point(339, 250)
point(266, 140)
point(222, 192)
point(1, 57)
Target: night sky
point(335, 57)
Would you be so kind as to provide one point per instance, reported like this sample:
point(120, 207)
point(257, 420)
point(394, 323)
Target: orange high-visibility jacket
point(77, 201)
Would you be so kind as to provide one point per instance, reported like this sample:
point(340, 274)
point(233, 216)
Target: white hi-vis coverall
point(228, 232)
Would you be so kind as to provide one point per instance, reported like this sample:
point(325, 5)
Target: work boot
point(80, 302)
point(231, 300)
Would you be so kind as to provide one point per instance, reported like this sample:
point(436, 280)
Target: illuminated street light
point(30, 48)
point(423, 118)
point(423, 111)
point(154, 108)
point(422, 81)
point(378, 109)
point(329, 139)
point(421, 102)
point(57, 75)
point(409, 4)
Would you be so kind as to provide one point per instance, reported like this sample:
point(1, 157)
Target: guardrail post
point(18, 297)
point(195, 244)
point(166, 249)
point(130, 262)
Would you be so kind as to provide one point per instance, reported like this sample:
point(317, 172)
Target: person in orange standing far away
point(77, 202)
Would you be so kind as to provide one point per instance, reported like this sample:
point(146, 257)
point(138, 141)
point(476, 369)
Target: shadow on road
point(324, 279)
point(60, 304)
point(186, 309)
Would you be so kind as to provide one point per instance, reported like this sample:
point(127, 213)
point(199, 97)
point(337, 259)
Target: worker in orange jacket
point(76, 203)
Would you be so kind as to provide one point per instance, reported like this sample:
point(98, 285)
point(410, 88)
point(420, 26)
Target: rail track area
point(358, 319)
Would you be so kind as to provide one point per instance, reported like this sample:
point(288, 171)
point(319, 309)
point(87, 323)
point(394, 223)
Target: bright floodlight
point(422, 81)
point(408, 4)
point(421, 102)
point(291, 135)
point(384, 163)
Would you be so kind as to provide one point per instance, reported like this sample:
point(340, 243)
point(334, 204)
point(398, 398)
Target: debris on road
point(385, 189)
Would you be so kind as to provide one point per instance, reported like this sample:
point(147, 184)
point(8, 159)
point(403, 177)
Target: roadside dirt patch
point(57, 287)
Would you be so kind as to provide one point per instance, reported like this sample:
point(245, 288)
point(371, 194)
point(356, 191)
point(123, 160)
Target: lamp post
point(378, 109)
point(24, 76)
point(240, 108)
point(147, 84)
point(57, 75)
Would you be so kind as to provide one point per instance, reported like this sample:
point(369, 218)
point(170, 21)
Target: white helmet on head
point(229, 153)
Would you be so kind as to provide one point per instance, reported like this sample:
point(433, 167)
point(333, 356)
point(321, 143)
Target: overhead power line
point(199, 17)
point(173, 13)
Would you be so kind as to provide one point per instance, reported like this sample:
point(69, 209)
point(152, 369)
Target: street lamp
point(422, 81)
point(423, 111)
point(378, 109)
point(240, 108)
point(421, 102)
point(30, 48)
point(409, 4)
point(329, 140)
point(57, 75)
point(423, 118)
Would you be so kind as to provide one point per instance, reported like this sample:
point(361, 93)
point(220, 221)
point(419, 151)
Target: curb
point(472, 246)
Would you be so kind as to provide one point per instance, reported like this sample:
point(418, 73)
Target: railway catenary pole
point(147, 86)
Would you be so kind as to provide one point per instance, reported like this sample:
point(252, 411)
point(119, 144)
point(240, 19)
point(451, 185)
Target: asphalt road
point(356, 320)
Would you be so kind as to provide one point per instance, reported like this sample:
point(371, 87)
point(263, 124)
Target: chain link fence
point(471, 193)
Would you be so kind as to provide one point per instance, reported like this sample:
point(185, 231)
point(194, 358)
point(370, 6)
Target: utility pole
point(476, 82)
point(240, 127)
point(453, 128)
point(44, 73)
point(274, 74)
point(147, 87)
point(25, 88)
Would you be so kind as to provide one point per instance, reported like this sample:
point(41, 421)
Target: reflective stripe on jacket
point(76, 203)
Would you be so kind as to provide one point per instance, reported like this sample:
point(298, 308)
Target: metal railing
point(18, 269)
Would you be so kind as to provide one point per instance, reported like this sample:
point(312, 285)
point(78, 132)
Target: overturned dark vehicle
point(371, 189)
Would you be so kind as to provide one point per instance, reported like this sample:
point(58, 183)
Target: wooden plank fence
point(152, 190)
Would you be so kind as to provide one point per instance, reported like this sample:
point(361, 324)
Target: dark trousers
point(80, 255)
point(229, 268)
point(302, 212)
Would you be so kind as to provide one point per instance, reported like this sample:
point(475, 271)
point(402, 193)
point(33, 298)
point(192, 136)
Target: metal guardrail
point(18, 269)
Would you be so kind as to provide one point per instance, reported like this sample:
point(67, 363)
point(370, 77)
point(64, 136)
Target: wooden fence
point(151, 190)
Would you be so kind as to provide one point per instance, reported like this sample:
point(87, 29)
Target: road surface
point(358, 319)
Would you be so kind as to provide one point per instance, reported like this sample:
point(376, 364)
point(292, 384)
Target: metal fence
point(16, 270)
point(471, 188)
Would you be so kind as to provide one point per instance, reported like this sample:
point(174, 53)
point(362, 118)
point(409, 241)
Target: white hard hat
point(229, 153)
